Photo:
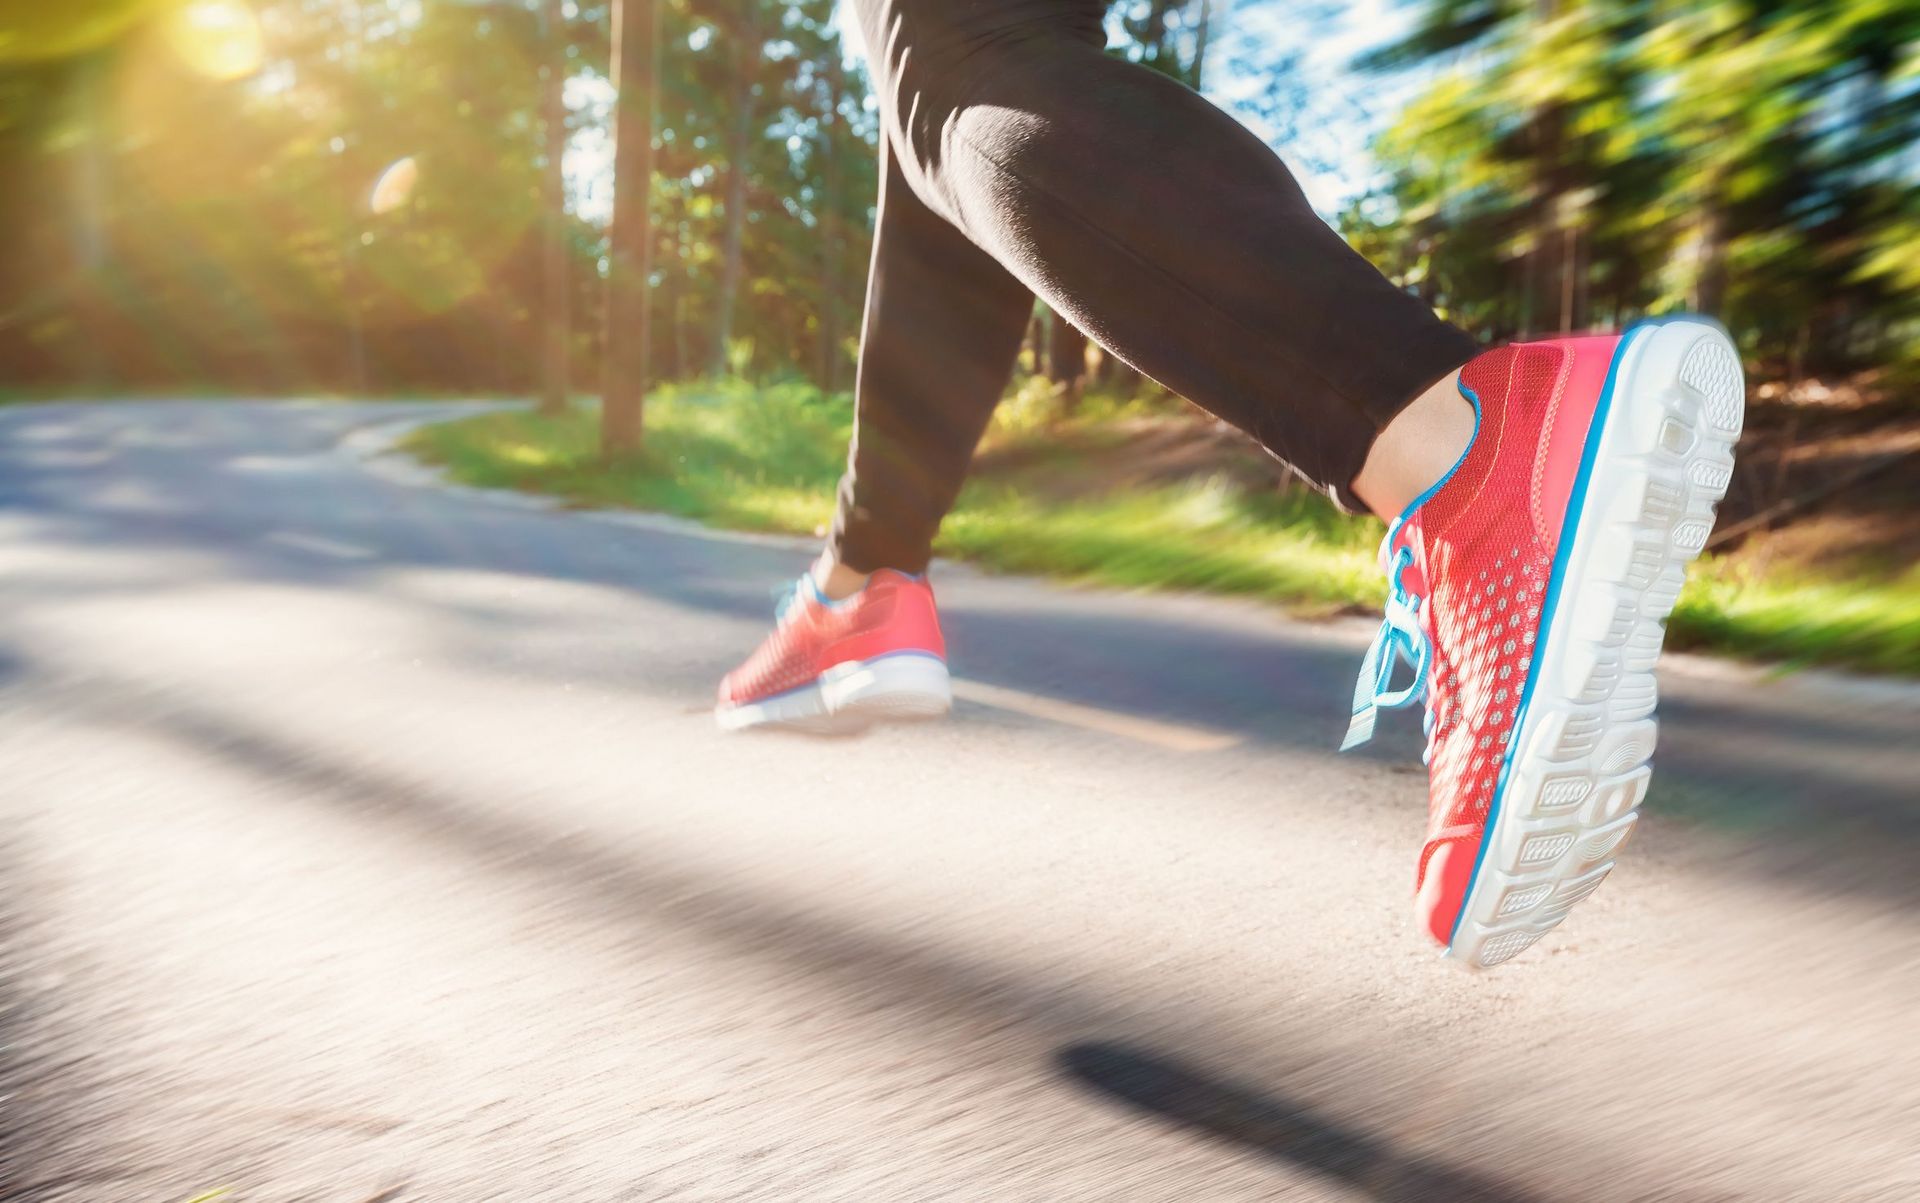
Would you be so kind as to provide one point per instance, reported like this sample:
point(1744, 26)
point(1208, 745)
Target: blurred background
point(414, 197)
point(300, 194)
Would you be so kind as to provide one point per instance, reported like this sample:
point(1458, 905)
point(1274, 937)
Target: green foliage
point(357, 203)
point(1206, 537)
point(1588, 161)
point(757, 105)
point(1865, 624)
point(764, 459)
point(1034, 405)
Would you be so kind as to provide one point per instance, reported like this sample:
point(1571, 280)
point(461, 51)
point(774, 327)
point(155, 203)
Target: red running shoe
point(1529, 590)
point(838, 667)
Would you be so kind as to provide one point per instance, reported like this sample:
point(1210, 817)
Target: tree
point(744, 45)
point(827, 228)
point(1067, 361)
point(556, 313)
point(1601, 159)
point(372, 204)
point(630, 237)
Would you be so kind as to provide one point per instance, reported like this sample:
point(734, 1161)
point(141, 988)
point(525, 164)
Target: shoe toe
point(733, 688)
point(1444, 877)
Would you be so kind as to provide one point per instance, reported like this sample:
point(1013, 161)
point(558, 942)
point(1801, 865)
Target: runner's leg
point(1153, 221)
point(943, 326)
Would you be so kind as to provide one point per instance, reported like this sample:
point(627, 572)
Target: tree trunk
point(671, 286)
point(1155, 36)
point(1569, 277)
point(1710, 279)
point(678, 279)
point(350, 290)
point(89, 230)
point(827, 233)
point(1524, 271)
point(1551, 305)
point(1118, 377)
point(739, 141)
point(555, 318)
point(624, 386)
point(1067, 362)
point(353, 205)
point(1549, 275)
point(1197, 75)
point(1583, 272)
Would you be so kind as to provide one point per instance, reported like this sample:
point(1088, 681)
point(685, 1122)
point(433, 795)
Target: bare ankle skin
point(1421, 445)
point(835, 580)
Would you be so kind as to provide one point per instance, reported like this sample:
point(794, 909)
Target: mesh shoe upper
point(1470, 567)
point(893, 614)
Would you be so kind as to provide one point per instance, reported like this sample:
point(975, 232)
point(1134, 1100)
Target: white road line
point(319, 545)
point(1171, 736)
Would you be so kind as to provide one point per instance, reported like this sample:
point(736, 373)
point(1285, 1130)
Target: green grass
point(755, 459)
point(768, 458)
point(1871, 624)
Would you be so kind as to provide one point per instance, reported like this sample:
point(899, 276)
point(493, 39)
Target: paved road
point(368, 841)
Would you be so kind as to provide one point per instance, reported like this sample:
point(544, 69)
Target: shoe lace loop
point(1402, 637)
point(787, 598)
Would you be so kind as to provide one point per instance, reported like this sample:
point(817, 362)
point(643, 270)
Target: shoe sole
point(849, 698)
point(1654, 469)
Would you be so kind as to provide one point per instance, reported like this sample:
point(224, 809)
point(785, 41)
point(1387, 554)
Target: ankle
point(836, 581)
point(1417, 449)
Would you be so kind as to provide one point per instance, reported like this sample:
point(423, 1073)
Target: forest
point(364, 195)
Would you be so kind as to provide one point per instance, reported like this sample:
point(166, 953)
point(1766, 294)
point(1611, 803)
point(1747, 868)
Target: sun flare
point(217, 38)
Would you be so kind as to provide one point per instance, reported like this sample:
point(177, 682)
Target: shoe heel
point(892, 688)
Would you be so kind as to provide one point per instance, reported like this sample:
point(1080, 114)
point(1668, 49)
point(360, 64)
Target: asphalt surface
point(370, 841)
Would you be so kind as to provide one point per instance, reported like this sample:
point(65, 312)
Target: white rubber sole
point(849, 698)
point(1578, 772)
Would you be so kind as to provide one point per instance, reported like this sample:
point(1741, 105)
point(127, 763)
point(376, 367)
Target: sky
point(1328, 151)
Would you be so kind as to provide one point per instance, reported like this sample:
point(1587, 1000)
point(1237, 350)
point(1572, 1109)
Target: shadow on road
point(44, 1086)
point(580, 873)
point(1275, 1127)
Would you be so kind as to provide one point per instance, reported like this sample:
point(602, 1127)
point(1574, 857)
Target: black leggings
point(1019, 159)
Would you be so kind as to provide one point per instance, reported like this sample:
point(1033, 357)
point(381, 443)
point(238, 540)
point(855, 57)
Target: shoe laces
point(1402, 638)
point(787, 599)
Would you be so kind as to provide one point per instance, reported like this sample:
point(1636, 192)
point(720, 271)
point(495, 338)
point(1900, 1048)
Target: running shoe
point(1529, 592)
point(838, 667)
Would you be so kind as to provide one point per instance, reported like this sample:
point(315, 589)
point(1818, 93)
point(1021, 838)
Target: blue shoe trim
point(785, 693)
point(821, 599)
point(1400, 637)
point(1473, 399)
point(813, 586)
point(896, 655)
